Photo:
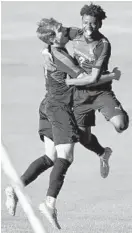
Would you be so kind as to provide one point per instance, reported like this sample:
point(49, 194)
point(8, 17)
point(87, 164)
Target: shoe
point(50, 214)
point(104, 162)
point(117, 73)
point(11, 200)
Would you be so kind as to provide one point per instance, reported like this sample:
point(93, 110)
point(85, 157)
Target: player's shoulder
point(104, 39)
point(104, 42)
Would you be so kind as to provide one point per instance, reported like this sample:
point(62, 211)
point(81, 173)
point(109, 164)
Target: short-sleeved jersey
point(55, 81)
point(96, 53)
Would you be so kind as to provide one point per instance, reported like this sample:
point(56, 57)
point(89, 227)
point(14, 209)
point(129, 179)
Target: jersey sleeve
point(66, 64)
point(103, 52)
point(73, 32)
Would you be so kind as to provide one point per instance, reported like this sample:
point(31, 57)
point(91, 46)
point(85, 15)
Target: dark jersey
point(95, 54)
point(55, 81)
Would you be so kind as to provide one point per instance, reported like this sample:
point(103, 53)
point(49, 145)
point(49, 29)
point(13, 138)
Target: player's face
point(60, 36)
point(89, 24)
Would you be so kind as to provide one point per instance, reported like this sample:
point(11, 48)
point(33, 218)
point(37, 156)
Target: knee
point(65, 151)
point(121, 122)
point(125, 122)
point(69, 157)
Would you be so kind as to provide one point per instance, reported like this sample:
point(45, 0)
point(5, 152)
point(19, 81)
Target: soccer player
point(59, 122)
point(92, 51)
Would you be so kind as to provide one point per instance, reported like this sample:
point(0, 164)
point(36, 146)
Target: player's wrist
point(68, 82)
point(112, 75)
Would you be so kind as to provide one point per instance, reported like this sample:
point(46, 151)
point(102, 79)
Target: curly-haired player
point(92, 51)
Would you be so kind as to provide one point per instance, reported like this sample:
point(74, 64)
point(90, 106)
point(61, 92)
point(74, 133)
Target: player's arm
point(82, 79)
point(47, 59)
point(65, 63)
point(115, 74)
point(95, 76)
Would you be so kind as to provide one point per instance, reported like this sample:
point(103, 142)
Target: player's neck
point(92, 37)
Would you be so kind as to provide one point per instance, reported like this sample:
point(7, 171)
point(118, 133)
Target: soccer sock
point(51, 201)
point(35, 169)
point(94, 145)
point(57, 176)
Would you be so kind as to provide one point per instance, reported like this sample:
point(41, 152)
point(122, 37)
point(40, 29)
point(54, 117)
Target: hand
point(48, 61)
point(67, 81)
point(117, 73)
point(85, 64)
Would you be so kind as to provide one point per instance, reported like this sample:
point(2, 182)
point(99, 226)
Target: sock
point(35, 169)
point(94, 146)
point(57, 176)
point(51, 201)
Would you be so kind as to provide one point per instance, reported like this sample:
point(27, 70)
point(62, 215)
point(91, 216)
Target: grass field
point(87, 203)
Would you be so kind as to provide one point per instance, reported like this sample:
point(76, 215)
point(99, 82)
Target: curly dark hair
point(45, 30)
point(93, 10)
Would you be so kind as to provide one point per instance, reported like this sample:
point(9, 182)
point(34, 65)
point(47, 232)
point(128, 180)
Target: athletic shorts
point(105, 102)
point(85, 120)
point(57, 122)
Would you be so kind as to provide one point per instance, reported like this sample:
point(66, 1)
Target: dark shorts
point(57, 123)
point(105, 102)
point(85, 120)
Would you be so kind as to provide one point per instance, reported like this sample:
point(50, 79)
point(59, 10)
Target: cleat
point(117, 73)
point(50, 214)
point(104, 162)
point(11, 200)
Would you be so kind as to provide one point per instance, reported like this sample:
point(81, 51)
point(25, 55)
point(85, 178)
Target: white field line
point(19, 189)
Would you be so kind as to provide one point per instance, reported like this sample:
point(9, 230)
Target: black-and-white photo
point(66, 116)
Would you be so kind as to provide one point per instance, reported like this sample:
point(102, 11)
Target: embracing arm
point(102, 53)
point(84, 79)
point(65, 63)
point(69, 34)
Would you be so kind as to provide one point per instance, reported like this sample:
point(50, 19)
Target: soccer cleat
point(50, 214)
point(11, 200)
point(117, 73)
point(104, 162)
